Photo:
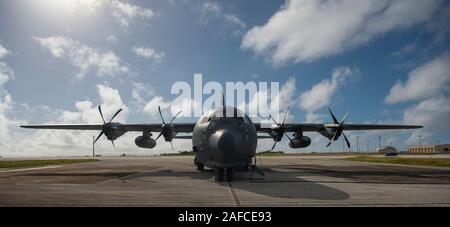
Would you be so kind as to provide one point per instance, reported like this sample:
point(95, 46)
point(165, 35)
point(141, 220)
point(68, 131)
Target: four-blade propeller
point(279, 130)
point(166, 129)
point(338, 128)
point(106, 127)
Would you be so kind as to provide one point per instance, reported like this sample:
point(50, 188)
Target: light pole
point(379, 142)
point(93, 146)
point(357, 144)
point(368, 141)
point(420, 140)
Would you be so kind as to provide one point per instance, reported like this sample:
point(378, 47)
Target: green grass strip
point(440, 162)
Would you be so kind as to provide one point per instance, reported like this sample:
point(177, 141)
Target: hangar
point(431, 149)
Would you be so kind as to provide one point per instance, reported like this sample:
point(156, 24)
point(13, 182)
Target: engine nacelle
point(300, 142)
point(145, 142)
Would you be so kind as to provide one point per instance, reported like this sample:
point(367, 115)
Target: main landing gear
point(224, 174)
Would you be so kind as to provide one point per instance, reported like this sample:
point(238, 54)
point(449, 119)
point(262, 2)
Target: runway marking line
point(28, 169)
point(234, 194)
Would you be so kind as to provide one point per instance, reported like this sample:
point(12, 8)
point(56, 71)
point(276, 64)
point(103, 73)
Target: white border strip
point(27, 169)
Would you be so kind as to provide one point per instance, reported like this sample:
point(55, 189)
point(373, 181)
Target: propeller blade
point(344, 118)
point(176, 115)
point(332, 139)
point(288, 137)
point(274, 144)
point(160, 114)
point(99, 135)
point(113, 144)
point(160, 134)
point(273, 119)
point(334, 118)
point(346, 140)
point(171, 144)
point(115, 115)
point(101, 114)
point(329, 143)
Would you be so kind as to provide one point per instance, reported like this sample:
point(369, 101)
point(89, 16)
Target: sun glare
point(72, 6)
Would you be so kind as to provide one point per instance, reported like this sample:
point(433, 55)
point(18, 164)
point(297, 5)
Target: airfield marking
point(234, 194)
point(27, 169)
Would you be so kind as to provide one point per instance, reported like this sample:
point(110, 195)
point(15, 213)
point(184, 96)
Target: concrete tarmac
point(174, 181)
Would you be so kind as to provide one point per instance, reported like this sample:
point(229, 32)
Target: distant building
point(430, 149)
point(386, 150)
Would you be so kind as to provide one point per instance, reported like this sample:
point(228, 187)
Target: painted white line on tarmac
point(27, 169)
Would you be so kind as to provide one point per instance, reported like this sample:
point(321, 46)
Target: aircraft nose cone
point(226, 142)
point(226, 145)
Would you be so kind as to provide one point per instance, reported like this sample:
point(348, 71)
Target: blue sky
point(375, 59)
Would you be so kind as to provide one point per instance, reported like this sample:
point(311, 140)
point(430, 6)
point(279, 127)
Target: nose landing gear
point(200, 166)
point(224, 174)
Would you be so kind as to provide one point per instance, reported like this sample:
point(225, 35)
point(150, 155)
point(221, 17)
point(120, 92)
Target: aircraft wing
point(291, 127)
point(313, 127)
point(179, 127)
point(65, 126)
point(378, 127)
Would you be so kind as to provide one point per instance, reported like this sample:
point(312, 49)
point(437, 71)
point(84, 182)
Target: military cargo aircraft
point(223, 142)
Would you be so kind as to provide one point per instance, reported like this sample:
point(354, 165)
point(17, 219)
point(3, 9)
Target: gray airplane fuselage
point(221, 141)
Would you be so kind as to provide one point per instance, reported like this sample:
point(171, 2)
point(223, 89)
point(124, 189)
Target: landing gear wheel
point(200, 167)
point(219, 174)
point(230, 174)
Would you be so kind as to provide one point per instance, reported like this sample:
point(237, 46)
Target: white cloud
point(430, 85)
point(5, 122)
point(151, 106)
point(185, 105)
point(426, 81)
point(306, 30)
point(141, 92)
point(149, 53)
point(111, 39)
point(83, 56)
point(6, 73)
point(6, 102)
point(171, 107)
point(284, 100)
point(4, 52)
point(90, 6)
point(320, 94)
point(214, 11)
point(52, 142)
point(87, 112)
point(313, 117)
point(433, 114)
point(125, 13)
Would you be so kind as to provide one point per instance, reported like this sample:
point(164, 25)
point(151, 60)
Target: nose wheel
point(200, 167)
point(224, 174)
